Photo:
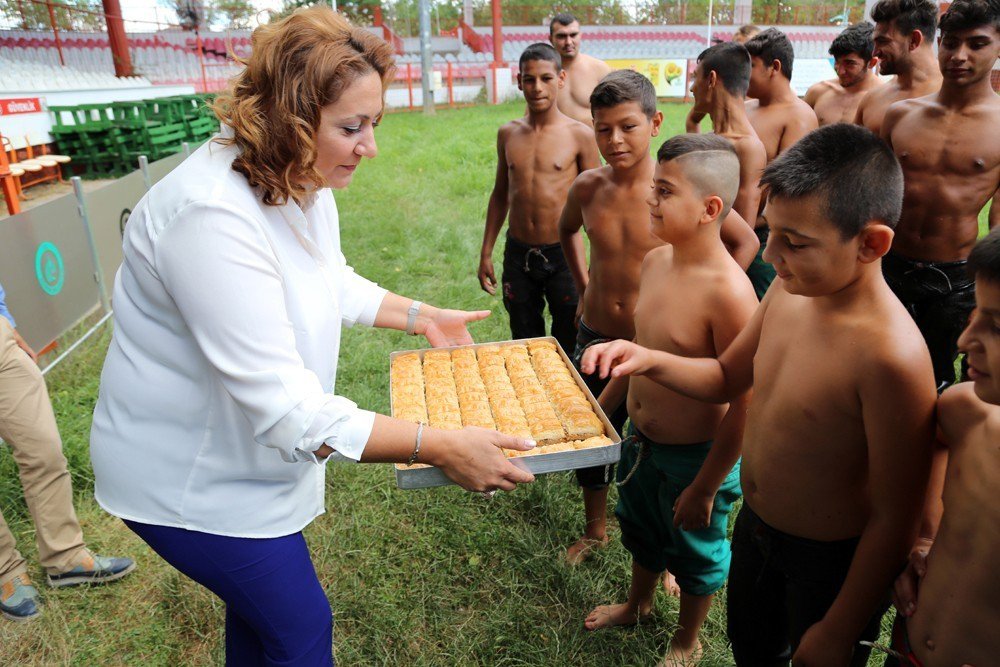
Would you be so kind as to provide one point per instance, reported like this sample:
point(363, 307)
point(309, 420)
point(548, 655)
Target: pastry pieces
point(570, 403)
point(473, 400)
point(546, 429)
point(407, 388)
point(507, 411)
point(439, 386)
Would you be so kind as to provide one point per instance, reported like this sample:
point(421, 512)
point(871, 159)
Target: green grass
point(434, 577)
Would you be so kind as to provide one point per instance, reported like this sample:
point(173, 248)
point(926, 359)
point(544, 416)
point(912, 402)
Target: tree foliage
point(29, 15)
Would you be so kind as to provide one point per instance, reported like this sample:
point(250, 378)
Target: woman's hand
point(472, 459)
point(446, 328)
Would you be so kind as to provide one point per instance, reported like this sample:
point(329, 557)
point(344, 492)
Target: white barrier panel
point(47, 270)
point(808, 71)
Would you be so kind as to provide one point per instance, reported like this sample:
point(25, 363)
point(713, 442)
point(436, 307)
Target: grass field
point(436, 577)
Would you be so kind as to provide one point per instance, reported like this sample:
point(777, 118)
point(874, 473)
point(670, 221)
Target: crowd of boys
point(808, 366)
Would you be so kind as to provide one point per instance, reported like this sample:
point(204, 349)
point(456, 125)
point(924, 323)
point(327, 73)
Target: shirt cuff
point(372, 305)
point(353, 435)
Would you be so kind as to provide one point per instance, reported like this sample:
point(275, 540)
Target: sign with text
point(669, 77)
point(12, 107)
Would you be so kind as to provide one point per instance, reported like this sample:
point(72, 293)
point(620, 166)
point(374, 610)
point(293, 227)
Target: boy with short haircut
point(944, 619)
point(538, 158)
point(775, 111)
point(719, 88)
point(674, 499)
point(837, 100)
point(838, 439)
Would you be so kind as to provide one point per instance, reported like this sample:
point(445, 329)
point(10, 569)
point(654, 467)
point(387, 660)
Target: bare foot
point(581, 550)
point(678, 656)
point(608, 616)
point(670, 585)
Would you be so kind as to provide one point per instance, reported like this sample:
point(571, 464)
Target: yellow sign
point(669, 77)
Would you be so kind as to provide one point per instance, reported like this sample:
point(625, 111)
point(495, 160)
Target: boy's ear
point(713, 210)
point(875, 241)
point(916, 39)
point(562, 78)
point(872, 62)
point(519, 86)
point(775, 67)
point(657, 120)
point(713, 78)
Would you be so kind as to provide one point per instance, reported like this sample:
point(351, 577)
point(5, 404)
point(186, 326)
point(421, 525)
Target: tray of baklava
point(526, 388)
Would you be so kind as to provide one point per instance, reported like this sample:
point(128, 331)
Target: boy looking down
point(837, 445)
point(674, 499)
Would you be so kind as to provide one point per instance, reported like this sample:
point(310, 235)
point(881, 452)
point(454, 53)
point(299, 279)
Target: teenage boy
point(944, 619)
point(904, 45)
point(837, 100)
point(949, 147)
point(719, 88)
point(674, 499)
point(694, 118)
point(837, 445)
point(583, 72)
point(775, 111)
point(538, 157)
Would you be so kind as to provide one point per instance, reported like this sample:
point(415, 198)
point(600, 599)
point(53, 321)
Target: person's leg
point(560, 292)
point(270, 584)
point(522, 296)
point(756, 615)
point(243, 647)
point(637, 607)
point(12, 563)
point(28, 426)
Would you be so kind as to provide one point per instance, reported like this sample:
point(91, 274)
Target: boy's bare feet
point(678, 656)
point(670, 585)
point(608, 616)
point(582, 548)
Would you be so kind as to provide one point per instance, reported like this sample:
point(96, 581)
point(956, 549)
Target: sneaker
point(19, 599)
point(93, 570)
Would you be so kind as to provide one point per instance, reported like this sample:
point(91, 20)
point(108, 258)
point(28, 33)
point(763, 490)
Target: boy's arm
point(693, 509)
point(753, 159)
point(614, 394)
point(812, 95)
point(994, 215)
point(588, 157)
point(571, 239)
point(739, 239)
point(859, 115)
point(710, 380)
point(692, 123)
point(801, 124)
point(496, 212)
point(897, 401)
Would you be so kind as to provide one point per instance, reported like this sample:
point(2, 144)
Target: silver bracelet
point(416, 450)
point(411, 317)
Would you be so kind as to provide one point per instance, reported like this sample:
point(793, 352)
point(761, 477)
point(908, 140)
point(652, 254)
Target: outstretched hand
point(450, 327)
point(615, 359)
point(904, 593)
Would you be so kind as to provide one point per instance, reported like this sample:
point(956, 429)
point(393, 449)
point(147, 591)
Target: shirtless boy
point(538, 157)
point(775, 111)
point(608, 203)
point(838, 439)
point(836, 100)
point(944, 619)
point(904, 44)
point(583, 72)
point(949, 147)
point(674, 499)
point(694, 118)
point(719, 88)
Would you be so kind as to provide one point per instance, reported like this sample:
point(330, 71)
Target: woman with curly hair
point(217, 410)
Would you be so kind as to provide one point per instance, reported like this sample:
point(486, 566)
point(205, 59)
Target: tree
point(235, 13)
point(30, 15)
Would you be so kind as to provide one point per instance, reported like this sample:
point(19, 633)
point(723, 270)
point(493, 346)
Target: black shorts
point(939, 296)
point(533, 275)
point(780, 585)
point(598, 477)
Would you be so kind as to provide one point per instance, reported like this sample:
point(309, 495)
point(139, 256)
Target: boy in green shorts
point(674, 499)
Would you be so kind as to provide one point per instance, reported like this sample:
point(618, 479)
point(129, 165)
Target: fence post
point(147, 179)
point(81, 207)
point(409, 83)
point(201, 59)
point(55, 31)
point(186, 147)
point(451, 87)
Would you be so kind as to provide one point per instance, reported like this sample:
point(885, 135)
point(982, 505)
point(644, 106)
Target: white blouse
point(218, 384)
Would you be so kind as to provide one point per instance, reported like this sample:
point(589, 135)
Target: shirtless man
point(538, 158)
point(694, 118)
point(904, 38)
point(945, 619)
point(775, 111)
point(837, 445)
point(836, 100)
point(582, 71)
point(719, 88)
point(949, 147)
point(693, 300)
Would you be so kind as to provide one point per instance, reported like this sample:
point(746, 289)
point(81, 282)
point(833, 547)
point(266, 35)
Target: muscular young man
point(837, 100)
point(583, 72)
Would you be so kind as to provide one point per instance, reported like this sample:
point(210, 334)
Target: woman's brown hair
point(297, 66)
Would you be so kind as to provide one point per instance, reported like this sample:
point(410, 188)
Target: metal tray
point(425, 477)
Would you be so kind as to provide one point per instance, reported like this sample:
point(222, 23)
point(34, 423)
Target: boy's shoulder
point(959, 410)
point(657, 259)
point(587, 183)
point(511, 127)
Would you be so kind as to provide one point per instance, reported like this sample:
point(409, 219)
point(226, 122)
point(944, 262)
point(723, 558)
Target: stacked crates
point(105, 140)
